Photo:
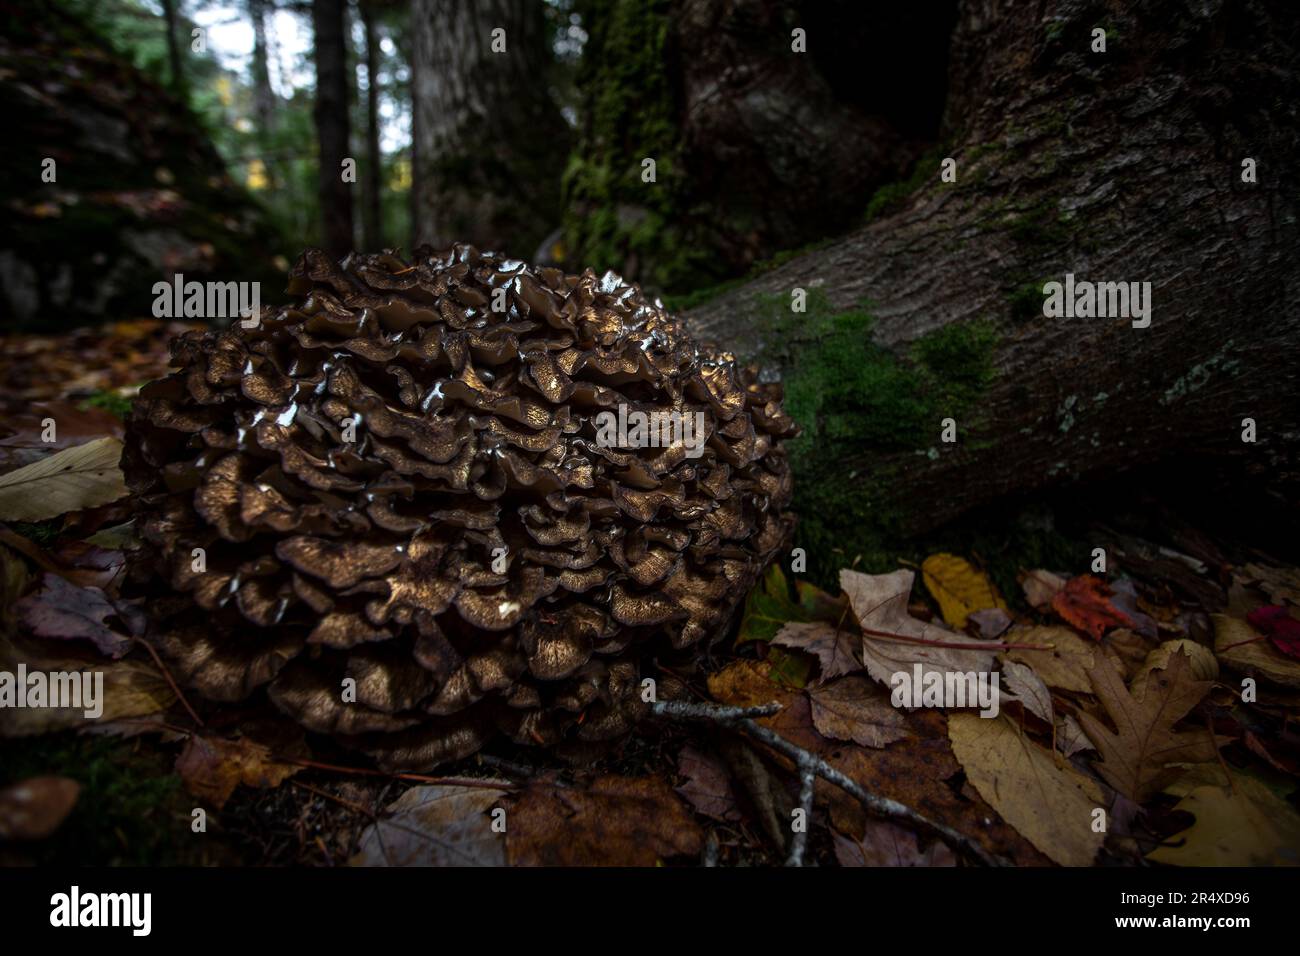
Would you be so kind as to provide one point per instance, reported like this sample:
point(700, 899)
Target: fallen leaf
point(438, 825)
point(132, 691)
point(212, 768)
point(768, 607)
point(61, 610)
point(879, 603)
point(1239, 648)
point(915, 770)
point(959, 587)
point(1028, 688)
point(1040, 587)
point(82, 477)
point(617, 821)
point(887, 844)
point(1051, 805)
point(1138, 756)
point(33, 809)
point(1205, 666)
point(1065, 666)
point(1085, 603)
point(1247, 825)
point(1280, 627)
point(836, 648)
point(708, 786)
point(1070, 738)
point(989, 624)
point(853, 708)
point(1282, 585)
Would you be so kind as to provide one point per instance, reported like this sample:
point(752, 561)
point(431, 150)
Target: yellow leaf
point(1249, 825)
point(1052, 806)
point(86, 476)
point(959, 587)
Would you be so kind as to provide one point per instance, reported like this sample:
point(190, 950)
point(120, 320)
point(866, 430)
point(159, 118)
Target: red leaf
point(1084, 603)
point(1279, 626)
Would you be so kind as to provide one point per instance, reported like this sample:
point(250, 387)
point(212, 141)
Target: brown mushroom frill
point(400, 480)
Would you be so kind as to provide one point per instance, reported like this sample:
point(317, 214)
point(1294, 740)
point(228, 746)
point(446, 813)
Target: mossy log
point(1124, 165)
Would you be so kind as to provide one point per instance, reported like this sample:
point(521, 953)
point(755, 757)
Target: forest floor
point(1148, 707)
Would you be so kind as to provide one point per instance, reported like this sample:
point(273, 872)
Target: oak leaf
point(1139, 755)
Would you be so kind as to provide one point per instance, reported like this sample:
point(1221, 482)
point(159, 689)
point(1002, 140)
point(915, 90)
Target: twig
point(171, 682)
point(807, 784)
point(738, 718)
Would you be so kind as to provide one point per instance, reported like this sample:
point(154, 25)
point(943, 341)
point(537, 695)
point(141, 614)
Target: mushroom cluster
point(399, 480)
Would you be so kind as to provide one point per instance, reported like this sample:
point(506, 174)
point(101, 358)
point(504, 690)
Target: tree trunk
point(489, 141)
point(263, 96)
point(1124, 166)
point(331, 115)
point(371, 210)
point(174, 48)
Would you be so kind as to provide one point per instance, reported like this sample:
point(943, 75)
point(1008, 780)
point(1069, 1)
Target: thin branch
point(737, 718)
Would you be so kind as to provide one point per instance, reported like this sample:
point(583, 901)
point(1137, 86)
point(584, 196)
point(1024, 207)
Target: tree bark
point(371, 210)
point(488, 140)
point(1117, 166)
point(263, 96)
point(331, 116)
point(173, 48)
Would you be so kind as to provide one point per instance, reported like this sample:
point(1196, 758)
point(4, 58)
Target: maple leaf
point(890, 642)
point(1137, 755)
point(1085, 603)
point(211, 768)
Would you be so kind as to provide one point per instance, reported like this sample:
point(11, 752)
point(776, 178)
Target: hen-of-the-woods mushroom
point(422, 477)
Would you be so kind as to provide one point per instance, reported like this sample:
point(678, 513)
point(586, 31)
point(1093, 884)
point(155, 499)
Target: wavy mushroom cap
point(401, 479)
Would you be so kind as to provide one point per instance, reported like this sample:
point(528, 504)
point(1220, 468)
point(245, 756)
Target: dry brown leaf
point(1240, 648)
point(437, 825)
point(1070, 738)
point(83, 477)
point(61, 610)
point(1138, 756)
point(836, 648)
point(617, 821)
point(1028, 688)
point(886, 844)
point(879, 603)
point(915, 770)
point(1051, 805)
point(708, 785)
point(1040, 587)
point(1205, 666)
point(853, 708)
point(33, 809)
point(211, 768)
point(1065, 667)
